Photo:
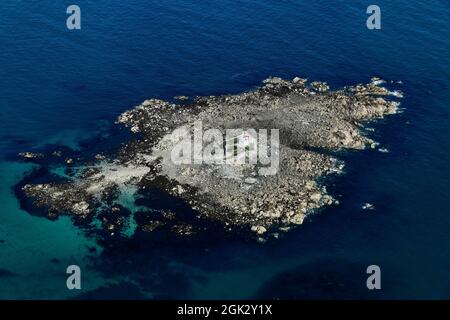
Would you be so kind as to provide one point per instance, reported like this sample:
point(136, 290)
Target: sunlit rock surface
point(314, 123)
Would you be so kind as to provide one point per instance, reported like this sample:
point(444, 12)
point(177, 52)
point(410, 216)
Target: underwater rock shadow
point(118, 291)
point(321, 279)
point(4, 273)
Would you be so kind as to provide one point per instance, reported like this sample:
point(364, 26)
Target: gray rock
point(312, 122)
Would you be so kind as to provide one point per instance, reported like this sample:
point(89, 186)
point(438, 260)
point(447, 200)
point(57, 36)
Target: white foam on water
point(396, 93)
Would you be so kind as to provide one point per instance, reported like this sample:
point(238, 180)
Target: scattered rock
point(299, 81)
point(151, 226)
point(297, 219)
point(100, 157)
point(81, 208)
point(31, 155)
point(320, 86)
point(316, 196)
point(259, 229)
point(368, 206)
point(251, 180)
point(183, 229)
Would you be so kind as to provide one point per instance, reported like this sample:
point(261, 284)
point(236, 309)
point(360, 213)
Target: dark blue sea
point(62, 87)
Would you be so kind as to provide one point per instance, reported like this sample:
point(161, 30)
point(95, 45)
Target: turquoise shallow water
point(37, 251)
point(61, 87)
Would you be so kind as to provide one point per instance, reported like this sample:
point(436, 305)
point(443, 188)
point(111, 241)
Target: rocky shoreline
point(313, 123)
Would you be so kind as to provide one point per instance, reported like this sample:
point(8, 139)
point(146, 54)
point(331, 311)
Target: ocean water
point(61, 87)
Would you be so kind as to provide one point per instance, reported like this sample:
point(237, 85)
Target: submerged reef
point(313, 123)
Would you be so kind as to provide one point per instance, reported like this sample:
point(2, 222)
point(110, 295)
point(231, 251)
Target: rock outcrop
point(313, 124)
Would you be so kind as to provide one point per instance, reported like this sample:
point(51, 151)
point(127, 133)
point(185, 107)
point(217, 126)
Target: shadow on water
point(160, 261)
point(117, 291)
point(6, 273)
point(321, 279)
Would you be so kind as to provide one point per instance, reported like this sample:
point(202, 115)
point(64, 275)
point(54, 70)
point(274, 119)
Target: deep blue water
point(62, 87)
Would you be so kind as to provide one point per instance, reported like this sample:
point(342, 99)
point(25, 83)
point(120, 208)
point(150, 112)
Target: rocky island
point(313, 123)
